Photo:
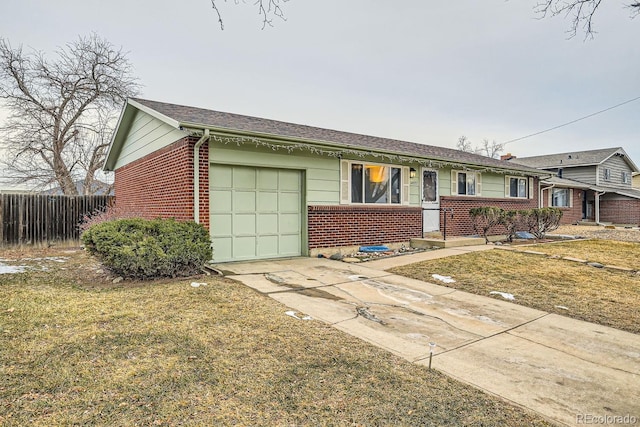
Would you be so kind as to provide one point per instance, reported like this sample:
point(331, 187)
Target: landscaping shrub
point(516, 220)
point(146, 249)
point(485, 218)
point(545, 220)
point(536, 221)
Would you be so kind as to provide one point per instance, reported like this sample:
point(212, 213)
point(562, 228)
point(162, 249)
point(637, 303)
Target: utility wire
point(571, 122)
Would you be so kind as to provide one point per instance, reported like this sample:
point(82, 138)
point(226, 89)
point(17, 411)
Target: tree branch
point(266, 8)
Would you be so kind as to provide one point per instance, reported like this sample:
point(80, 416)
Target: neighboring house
point(635, 180)
point(266, 188)
point(594, 185)
point(98, 188)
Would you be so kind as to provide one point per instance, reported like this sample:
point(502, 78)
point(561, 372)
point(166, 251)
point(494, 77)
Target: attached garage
point(255, 213)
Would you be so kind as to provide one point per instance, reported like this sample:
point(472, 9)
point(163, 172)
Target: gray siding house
point(594, 185)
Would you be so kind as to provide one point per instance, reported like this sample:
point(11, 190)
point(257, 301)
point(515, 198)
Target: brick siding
point(334, 226)
point(460, 224)
point(161, 183)
point(570, 215)
point(620, 211)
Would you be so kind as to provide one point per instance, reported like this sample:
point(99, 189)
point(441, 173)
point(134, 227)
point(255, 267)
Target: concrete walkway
point(566, 370)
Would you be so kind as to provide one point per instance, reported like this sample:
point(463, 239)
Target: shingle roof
point(570, 159)
point(236, 122)
point(570, 183)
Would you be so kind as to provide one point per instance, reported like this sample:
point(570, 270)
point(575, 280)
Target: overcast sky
point(422, 71)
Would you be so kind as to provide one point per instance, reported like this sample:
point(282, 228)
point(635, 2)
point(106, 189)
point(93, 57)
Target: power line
point(571, 122)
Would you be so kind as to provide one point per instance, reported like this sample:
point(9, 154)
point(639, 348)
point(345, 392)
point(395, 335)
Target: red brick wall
point(460, 224)
point(570, 215)
point(620, 211)
point(331, 226)
point(161, 183)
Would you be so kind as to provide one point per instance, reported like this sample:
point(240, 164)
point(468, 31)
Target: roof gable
point(575, 159)
point(180, 116)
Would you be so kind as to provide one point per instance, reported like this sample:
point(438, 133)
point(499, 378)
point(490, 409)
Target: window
point(467, 183)
point(607, 174)
point(373, 184)
point(517, 187)
point(626, 178)
point(561, 197)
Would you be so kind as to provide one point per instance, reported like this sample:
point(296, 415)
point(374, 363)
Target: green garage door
point(255, 212)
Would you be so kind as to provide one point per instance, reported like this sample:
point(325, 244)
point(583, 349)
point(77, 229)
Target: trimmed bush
point(145, 249)
point(485, 218)
point(536, 221)
point(546, 219)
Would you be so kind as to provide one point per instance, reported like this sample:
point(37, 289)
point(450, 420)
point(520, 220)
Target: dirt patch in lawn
point(572, 289)
point(167, 353)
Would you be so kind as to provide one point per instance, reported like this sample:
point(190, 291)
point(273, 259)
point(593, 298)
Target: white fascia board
point(150, 111)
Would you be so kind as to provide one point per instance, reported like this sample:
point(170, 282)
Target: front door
point(430, 201)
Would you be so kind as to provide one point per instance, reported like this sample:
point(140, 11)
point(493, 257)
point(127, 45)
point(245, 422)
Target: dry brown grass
point(596, 295)
point(607, 252)
point(77, 350)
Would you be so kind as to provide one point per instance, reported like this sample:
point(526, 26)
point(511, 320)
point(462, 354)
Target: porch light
point(412, 173)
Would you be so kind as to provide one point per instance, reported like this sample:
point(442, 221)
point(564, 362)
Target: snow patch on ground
point(504, 295)
point(12, 269)
point(443, 279)
point(295, 316)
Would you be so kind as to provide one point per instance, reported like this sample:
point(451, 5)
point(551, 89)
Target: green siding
point(322, 173)
point(492, 183)
point(146, 135)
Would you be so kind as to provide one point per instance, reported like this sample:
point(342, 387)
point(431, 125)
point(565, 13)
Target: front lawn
point(608, 252)
point(602, 296)
point(77, 350)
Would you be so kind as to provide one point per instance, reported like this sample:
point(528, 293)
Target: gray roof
point(198, 117)
point(570, 183)
point(570, 159)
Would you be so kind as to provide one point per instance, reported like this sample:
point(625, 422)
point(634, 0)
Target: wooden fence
point(38, 219)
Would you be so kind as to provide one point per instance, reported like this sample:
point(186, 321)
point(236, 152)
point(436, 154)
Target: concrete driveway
point(571, 372)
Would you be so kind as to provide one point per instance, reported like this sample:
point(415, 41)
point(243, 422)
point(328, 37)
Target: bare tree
point(581, 13)
point(464, 144)
point(489, 149)
point(61, 112)
point(268, 9)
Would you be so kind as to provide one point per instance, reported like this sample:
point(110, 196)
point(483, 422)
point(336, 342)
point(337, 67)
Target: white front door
point(430, 201)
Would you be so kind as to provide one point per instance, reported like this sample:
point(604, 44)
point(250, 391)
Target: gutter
point(337, 147)
point(196, 175)
point(540, 190)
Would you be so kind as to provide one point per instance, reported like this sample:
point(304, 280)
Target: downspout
point(597, 207)
point(540, 192)
point(196, 175)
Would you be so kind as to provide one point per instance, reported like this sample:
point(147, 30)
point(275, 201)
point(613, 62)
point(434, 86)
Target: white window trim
point(569, 195)
point(626, 177)
point(606, 175)
point(454, 182)
point(345, 183)
point(507, 187)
